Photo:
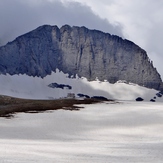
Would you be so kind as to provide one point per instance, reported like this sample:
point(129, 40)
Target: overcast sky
point(137, 20)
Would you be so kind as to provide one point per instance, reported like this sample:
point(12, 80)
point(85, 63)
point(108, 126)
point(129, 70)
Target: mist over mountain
point(78, 50)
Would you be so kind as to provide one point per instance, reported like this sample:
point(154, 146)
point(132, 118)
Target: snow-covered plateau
point(24, 86)
point(101, 133)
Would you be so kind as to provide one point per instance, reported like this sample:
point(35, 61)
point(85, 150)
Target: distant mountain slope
point(78, 50)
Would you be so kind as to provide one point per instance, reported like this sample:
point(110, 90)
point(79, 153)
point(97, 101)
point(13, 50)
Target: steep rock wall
point(78, 50)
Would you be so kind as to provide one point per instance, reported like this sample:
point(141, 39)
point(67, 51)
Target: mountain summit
point(78, 50)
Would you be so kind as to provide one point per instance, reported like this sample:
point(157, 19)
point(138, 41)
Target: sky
point(138, 21)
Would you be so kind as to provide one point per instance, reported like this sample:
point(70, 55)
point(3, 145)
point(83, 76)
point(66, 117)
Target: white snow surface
point(24, 86)
point(124, 132)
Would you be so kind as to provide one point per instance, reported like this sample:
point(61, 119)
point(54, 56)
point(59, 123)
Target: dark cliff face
point(78, 50)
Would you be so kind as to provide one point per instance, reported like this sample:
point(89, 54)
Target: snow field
point(24, 86)
point(123, 132)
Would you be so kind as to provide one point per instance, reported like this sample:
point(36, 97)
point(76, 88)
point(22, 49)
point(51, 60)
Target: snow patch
point(24, 86)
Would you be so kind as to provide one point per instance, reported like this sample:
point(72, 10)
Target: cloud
point(18, 17)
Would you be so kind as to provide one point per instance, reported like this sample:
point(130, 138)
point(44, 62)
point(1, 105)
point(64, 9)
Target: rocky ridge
point(78, 50)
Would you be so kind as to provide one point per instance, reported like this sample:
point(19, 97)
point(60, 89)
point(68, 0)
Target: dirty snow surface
point(100, 133)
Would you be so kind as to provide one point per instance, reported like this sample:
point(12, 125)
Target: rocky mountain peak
point(78, 50)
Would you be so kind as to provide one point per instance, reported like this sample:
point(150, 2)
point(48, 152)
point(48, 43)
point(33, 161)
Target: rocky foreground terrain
point(10, 105)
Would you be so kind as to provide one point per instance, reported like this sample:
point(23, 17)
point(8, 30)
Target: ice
point(105, 132)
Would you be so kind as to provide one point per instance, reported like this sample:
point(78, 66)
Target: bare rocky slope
point(78, 50)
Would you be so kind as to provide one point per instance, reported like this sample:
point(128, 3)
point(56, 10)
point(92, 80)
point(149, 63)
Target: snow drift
point(24, 86)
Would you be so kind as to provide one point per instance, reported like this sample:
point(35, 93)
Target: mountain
point(78, 50)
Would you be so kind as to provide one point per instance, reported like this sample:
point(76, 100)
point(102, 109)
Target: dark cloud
point(18, 17)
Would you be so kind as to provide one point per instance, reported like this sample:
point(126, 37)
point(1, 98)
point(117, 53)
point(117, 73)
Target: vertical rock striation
point(78, 50)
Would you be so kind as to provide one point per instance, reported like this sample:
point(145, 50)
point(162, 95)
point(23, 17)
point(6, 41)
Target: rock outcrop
point(78, 50)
